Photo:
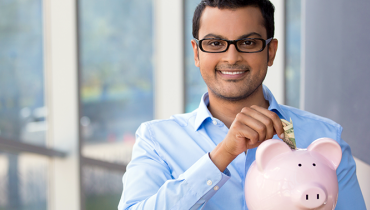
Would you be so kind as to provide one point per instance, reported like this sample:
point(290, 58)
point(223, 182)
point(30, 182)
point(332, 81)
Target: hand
point(250, 128)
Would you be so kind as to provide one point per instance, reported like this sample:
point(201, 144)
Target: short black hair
point(266, 7)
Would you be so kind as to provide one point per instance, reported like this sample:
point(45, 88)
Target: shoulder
point(309, 127)
point(175, 124)
point(180, 120)
point(164, 137)
point(309, 117)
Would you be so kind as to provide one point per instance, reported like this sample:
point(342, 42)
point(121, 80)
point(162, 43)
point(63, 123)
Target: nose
point(310, 196)
point(232, 56)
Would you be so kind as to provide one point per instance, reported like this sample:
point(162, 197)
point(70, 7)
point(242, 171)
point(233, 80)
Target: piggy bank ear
point(268, 150)
point(328, 148)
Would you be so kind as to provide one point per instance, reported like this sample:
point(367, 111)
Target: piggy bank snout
point(310, 196)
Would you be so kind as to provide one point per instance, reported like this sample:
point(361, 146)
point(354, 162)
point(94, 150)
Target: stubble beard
point(241, 95)
point(249, 87)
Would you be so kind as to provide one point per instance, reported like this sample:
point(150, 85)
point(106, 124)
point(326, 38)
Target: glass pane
point(194, 84)
point(116, 63)
point(23, 181)
point(102, 188)
point(22, 108)
point(293, 52)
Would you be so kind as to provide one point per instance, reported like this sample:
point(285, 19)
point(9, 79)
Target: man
point(199, 160)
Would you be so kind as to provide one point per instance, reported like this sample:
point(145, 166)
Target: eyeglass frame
point(229, 42)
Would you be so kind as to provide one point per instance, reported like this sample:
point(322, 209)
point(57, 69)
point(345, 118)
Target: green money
point(289, 137)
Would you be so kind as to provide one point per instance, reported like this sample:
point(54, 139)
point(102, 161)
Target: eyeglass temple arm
point(268, 40)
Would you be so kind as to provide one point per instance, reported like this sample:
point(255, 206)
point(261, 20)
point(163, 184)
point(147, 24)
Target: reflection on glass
point(194, 84)
point(102, 188)
point(23, 181)
point(116, 62)
point(22, 108)
point(293, 52)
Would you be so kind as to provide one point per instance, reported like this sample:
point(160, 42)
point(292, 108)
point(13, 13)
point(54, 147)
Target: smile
point(232, 72)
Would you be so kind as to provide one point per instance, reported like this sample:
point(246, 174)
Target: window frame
point(61, 64)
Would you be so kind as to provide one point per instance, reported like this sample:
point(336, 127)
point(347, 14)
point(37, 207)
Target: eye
point(248, 42)
point(314, 164)
point(299, 165)
point(215, 43)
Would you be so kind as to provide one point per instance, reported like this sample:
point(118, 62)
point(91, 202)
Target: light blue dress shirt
point(171, 168)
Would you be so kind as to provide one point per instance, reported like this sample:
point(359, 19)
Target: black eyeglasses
point(246, 45)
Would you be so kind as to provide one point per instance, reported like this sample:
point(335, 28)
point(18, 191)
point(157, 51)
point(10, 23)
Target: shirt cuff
point(204, 177)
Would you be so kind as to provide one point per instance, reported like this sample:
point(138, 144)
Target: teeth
point(230, 72)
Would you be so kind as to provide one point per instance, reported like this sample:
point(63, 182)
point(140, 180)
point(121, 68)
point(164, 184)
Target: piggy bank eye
point(299, 165)
point(314, 164)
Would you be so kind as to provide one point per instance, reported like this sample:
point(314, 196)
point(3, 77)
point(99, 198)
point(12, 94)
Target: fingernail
point(282, 135)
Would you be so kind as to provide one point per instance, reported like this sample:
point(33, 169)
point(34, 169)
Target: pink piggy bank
point(284, 179)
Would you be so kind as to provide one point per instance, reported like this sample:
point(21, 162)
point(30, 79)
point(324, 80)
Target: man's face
point(232, 75)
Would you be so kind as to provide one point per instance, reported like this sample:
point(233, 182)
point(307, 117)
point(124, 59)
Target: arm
point(349, 196)
point(149, 184)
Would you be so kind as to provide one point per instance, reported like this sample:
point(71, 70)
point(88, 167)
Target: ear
point(196, 52)
point(328, 148)
point(268, 150)
point(272, 48)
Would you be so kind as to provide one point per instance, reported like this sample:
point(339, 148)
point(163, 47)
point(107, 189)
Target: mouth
point(232, 74)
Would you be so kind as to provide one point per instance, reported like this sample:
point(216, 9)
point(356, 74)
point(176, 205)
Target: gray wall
point(337, 67)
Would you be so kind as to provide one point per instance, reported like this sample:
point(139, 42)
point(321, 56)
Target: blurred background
point(77, 78)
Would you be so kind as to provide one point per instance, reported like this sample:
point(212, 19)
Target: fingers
point(250, 128)
point(244, 132)
point(266, 123)
point(272, 117)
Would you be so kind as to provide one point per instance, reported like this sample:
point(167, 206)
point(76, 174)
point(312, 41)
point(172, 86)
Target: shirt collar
point(203, 112)
point(274, 106)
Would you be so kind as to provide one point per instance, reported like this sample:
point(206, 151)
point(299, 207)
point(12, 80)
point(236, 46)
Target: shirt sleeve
point(148, 183)
point(349, 196)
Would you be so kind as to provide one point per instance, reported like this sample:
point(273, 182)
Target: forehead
point(232, 23)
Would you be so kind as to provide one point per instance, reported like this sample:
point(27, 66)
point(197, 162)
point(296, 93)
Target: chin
point(232, 97)
point(236, 96)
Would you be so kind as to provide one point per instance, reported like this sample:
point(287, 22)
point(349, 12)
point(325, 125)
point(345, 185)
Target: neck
point(226, 111)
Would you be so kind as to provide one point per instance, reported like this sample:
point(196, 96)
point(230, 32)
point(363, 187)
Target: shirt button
point(216, 188)
point(209, 182)
point(214, 122)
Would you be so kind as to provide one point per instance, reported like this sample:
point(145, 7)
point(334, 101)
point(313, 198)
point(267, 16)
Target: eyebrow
point(222, 37)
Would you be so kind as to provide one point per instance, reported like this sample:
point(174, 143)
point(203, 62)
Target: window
point(76, 80)
point(23, 179)
point(116, 64)
point(23, 176)
point(22, 107)
point(194, 84)
point(102, 188)
point(293, 52)
point(116, 91)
